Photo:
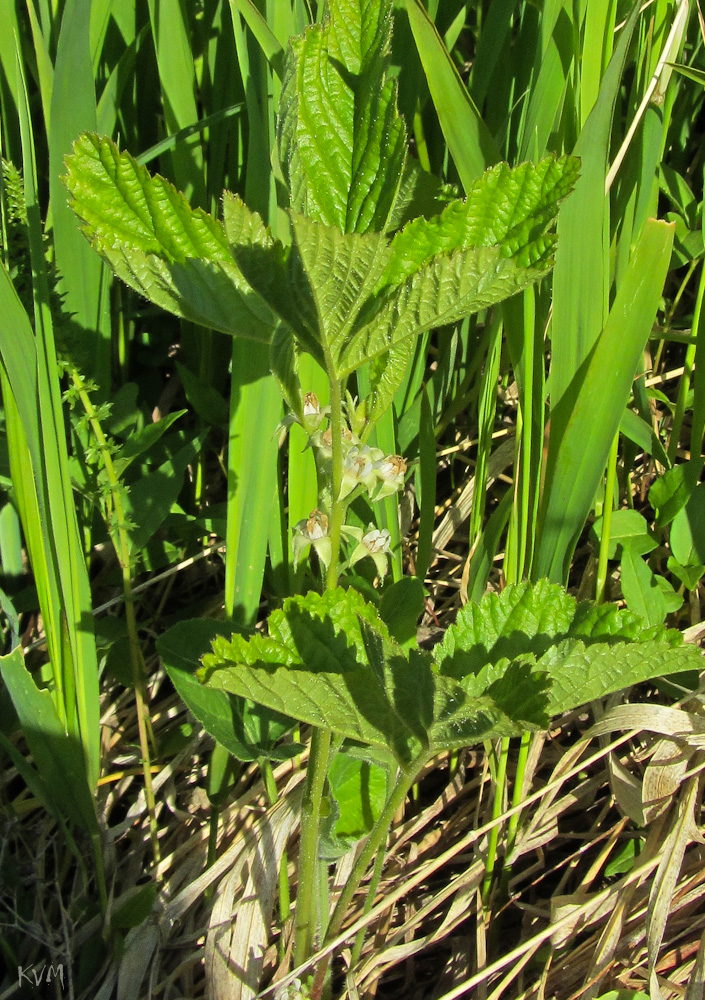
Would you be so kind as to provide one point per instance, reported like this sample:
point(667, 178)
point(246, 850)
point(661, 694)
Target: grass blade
point(469, 141)
point(84, 279)
point(592, 406)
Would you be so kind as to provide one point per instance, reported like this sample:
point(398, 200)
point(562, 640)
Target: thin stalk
point(681, 402)
point(610, 479)
point(116, 523)
point(338, 507)
point(369, 900)
point(513, 822)
point(270, 785)
point(499, 789)
point(308, 847)
point(377, 837)
point(317, 770)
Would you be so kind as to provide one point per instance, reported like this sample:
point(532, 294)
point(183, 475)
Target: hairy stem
point(308, 848)
point(116, 523)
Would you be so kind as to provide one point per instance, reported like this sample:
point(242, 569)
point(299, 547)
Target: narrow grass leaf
point(171, 32)
point(593, 403)
point(266, 39)
point(255, 411)
point(84, 279)
point(59, 547)
point(580, 279)
point(469, 141)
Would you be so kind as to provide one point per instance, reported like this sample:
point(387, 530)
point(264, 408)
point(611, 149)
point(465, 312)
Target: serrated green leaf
point(536, 653)
point(507, 207)
point(386, 373)
point(331, 276)
point(342, 143)
point(315, 665)
point(443, 291)
point(247, 731)
point(177, 257)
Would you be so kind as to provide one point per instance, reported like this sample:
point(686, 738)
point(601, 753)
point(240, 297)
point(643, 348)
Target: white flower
point(358, 468)
point(312, 530)
point(391, 471)
point(375, 543)
point(376, 540)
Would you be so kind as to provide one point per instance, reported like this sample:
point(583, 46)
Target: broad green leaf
point(672, 599)
point(58, 756)
point(316, 666)
point(688, 530)
point(247, 731)
point(537, 653)
point(144, 228)
point(386, 374)
point(443, 291)
point(419, 194)
point(358, 781)
point(628, 528)
point(641, 589)
point(401, 607)
point(342, 142)
point(507, 665)
point(690, 576)
point(642, 434)
point(331, 276)
point(670, 492)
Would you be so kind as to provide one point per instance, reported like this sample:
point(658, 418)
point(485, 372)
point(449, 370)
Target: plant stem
point(513, 823)
point(369, 900)
point(308, 848)
point(377, 837)
point(500, 785)
point(337, 512)
point(601, 581)
point(116, 523)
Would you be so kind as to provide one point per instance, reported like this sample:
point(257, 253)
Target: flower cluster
point(365, 468)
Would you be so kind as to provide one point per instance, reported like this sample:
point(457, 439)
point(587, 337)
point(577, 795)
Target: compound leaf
point(177, 257)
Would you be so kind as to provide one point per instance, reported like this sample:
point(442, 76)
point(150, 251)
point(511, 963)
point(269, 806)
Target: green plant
point(365, 265)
